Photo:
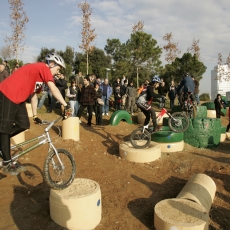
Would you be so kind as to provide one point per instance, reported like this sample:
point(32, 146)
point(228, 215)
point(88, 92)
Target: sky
point(57, 24)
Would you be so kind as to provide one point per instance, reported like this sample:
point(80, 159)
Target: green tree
point(138, 58)
point(98, 62)
point(67, 55)
point(188, 63)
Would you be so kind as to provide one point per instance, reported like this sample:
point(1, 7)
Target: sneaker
point(10, 168)
point(19, 167)
point(107, 114)
point(87, 114)
point(103, 114)
point(93, 113)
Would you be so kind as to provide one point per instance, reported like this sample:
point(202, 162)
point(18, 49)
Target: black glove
point(37, 120)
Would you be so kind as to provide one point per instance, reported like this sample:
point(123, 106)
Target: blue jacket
point(188, 83)
point(109, 90)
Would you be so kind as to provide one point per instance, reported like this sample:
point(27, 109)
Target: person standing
point(79, 80)
point(45, 92)
point(196, 91)
point(106, 93)
point(124, 95)
point(87, 99)
point(131, 93)
point(14, 90)
point(61, 84)
point(162, 90)
point(218, 105)
point(73, 95)
point(172, 94)
point(97, 106)
point(7, 68)
point(117, 97)
point(3, 73)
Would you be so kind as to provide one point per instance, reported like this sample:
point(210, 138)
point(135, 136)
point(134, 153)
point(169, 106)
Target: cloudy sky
point(57, 23)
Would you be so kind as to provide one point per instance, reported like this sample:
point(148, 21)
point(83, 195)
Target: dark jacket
point(3, 75)
point(162, 90)
point(88, 95)
point(189, 85)
point(196, 91)
point(98, 95)
point(218, 103)
point(61, 85)
point(172, 92)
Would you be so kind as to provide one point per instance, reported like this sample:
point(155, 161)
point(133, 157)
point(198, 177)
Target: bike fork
point(56, 152)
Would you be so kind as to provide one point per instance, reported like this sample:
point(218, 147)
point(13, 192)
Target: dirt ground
point(129, 190)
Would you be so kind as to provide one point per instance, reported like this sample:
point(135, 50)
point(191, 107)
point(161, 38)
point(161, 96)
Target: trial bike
point(59, 167)
point(141, 137)
point(189, 107)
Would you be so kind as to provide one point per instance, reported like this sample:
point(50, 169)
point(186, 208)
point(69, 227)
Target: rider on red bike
point(145, 99)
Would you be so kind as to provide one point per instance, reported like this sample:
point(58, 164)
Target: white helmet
point(56, 58)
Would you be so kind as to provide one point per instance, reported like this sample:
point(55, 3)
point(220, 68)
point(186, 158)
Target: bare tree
point(171, 48)
point(18, 22)
point(88, 35)
point(223, 69)
point(195, 48)
point(138, 27)
point(6, 52)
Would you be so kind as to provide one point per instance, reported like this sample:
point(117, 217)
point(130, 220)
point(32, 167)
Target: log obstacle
point(190, 209)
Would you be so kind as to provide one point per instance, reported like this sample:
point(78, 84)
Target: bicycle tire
point(178, 122)
point(54, 175)
point(140, 139)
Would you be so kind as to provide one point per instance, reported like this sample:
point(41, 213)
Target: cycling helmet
point(156, 79)
point(56, 58)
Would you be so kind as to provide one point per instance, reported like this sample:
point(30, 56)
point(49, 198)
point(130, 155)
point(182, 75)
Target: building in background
point(220, 81)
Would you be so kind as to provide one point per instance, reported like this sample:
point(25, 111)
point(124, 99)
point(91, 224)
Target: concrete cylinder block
point(180, 214)
point(78, 206)
point(70, 129)
point(201, 189)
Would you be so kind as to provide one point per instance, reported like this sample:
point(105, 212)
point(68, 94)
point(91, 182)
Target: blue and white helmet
point(156, 79)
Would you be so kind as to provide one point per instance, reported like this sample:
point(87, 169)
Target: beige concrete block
point(201, 189)
point(70, 129)
point(149, 154)
point(78, 206)
point(180, 214)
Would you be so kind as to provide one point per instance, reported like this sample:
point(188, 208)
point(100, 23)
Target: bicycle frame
point(45, 138)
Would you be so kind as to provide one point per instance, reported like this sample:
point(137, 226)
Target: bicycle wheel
point(179, 122)
point(140, 139)
point(56, 176)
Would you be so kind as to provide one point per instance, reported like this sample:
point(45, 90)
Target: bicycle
point(141, 137)
point(59, 166)
point(189, 107)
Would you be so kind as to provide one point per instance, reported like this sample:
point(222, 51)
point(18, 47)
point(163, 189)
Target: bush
point(205, 97)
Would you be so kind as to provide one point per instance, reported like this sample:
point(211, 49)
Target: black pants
point(218, 111)
point(13, 120)
point(149, 114)
point(98, 114)
point(89, 110)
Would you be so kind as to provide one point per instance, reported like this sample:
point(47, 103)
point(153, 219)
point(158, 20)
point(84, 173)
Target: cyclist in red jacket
point(26, 82)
